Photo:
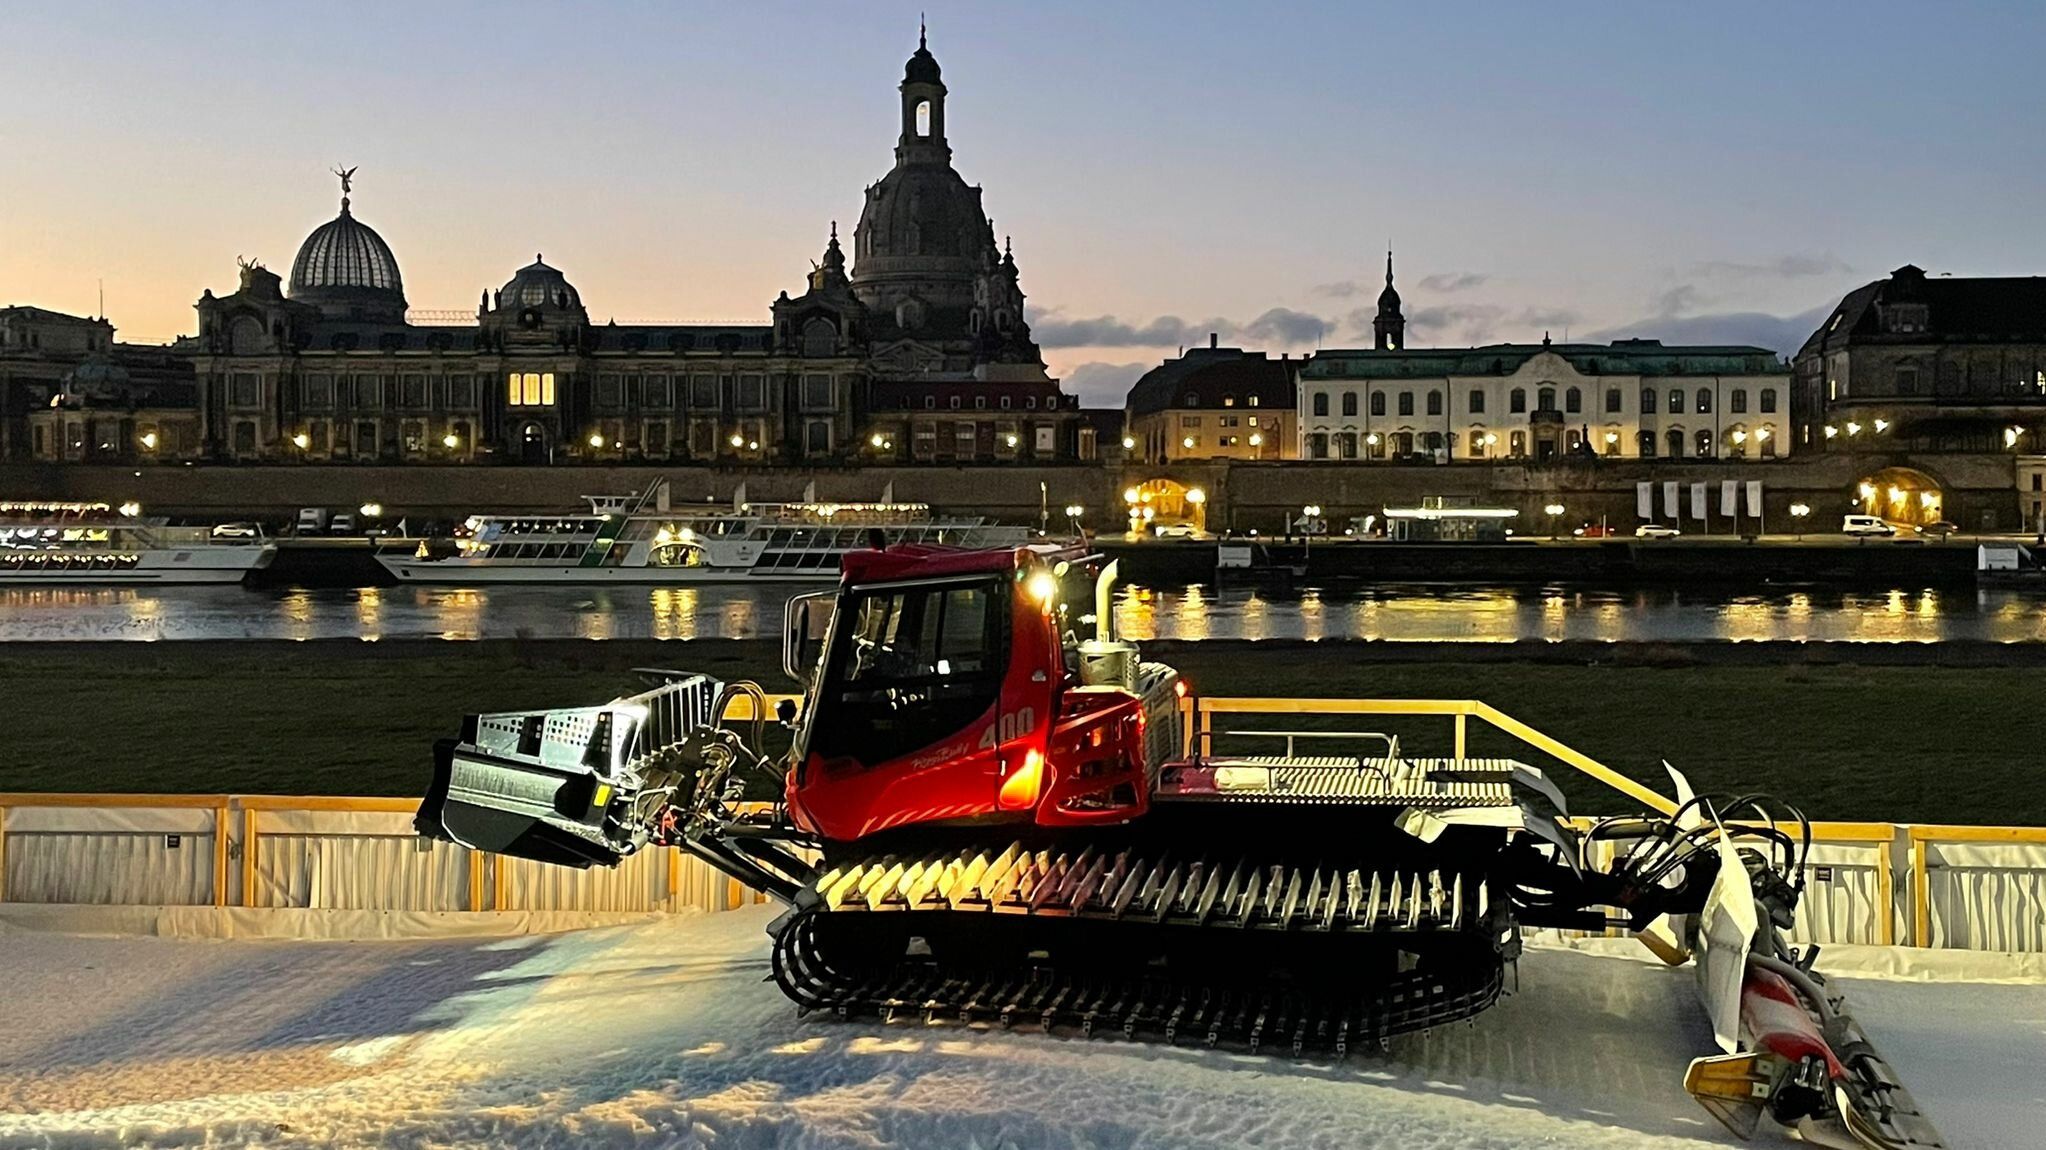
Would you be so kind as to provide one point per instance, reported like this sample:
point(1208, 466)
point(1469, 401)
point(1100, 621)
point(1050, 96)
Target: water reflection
point(1409, 614)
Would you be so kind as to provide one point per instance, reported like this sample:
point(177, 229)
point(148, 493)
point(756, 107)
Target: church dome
point(346, 269)
point(538, 285)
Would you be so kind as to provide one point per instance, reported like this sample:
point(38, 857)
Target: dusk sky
point(1701, 173)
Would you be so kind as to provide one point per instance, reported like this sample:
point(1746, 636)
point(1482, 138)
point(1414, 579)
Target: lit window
point(530, 389)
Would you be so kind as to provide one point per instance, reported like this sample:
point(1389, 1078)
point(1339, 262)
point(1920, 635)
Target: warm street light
point(1853, 428)
point(131, 509)
point(1797, 512)
point(738, 440)
point(1187, 443)
point(1010, 440)
point(1882, 425)
point(1763, 434)
point(2011, 434)
point(149, 441)
point(1129, 495)
point(450, 441)
point(1740, 437)
point(1128, 443)
point(1196, 496)
point(875, 439)
point(301, 441)
point(1612, 437)
point(371, 510)
point(1256, 439)
point(596, 440)
point(1831, 431)
point(752, 445)
point(1553, 509)
point(1372, 439)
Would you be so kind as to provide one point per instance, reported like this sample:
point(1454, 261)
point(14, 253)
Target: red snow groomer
point(990, 811)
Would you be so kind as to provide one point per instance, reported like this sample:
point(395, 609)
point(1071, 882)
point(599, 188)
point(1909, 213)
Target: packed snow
point(666, 1033)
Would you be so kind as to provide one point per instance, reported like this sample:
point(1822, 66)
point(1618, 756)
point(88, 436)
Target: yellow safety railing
point(235, 817)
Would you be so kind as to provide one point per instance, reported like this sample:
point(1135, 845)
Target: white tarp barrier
point(1669, 500)
point(113, 866)
point(1755, 498)
point(1728, 505)
point(1644, 500)
point(1842, 895)
point(1698, 509)
point(1987, 896)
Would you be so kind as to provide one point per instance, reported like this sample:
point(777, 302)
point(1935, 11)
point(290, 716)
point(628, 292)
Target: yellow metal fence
point(1923, 885)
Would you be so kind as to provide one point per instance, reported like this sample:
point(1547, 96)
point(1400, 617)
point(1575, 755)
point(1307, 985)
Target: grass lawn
point(1904, 744)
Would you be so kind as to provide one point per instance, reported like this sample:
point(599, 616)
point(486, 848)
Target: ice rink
point(666, 1034)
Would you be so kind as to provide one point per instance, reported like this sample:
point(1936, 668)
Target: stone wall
point(1240, 495)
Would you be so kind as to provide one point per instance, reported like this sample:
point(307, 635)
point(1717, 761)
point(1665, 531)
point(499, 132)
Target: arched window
point(1738, 401)
point(1516, 400)
point(1675, 439)
point(1648, 402)
point(1612, 400)
point(1676, 401)
point(1704, 444)
point(1545, 399)
point(820, 337)
point(1350, 403)
point(923, 118)
point(1645, 444)
point(1769, 401)
point(1434, 403)
point(1406, 403)
point(1477, 401)
point(1346, 444)
point(1516, 445)
point(1432, 442)
point(1378, 403)
point(1573, 400)
point(1704, 400)
point(1317, 445)
point(245, 336)
point(1477, 448)
point(1321, 403)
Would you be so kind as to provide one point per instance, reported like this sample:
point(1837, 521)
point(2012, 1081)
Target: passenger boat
point(643, 539)
point(93, 543)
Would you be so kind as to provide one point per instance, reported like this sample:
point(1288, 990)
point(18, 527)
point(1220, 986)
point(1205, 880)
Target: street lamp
point(738, 440)
point(131, 510)
point(1073, 511)
point(451, 441)
point(1129, 443)
point(1853, 429)
point(1882, 425)
point(596, 440)
point(372, 510)
point(1553, 510)
point(1797, 512)
point(301, 441)
point(1010, 440)
point(149, 441)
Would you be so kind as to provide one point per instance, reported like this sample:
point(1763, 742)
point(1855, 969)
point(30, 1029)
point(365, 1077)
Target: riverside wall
point(1980, 491)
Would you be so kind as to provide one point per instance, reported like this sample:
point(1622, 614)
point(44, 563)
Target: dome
point(538, 285)
point(346, 268)
point(922, 67)
point(922, 218)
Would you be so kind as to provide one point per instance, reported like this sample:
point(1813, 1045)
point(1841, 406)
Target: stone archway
point(1162, 502)
point(532, 443)
point(1901, 495)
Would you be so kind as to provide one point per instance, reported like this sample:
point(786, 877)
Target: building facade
point(1632, 399)
point(1927, 363)
point(1213, 403)
point(919, 352)
point(70, 392)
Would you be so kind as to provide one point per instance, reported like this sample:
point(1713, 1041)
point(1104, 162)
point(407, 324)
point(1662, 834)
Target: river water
point(1408, 613)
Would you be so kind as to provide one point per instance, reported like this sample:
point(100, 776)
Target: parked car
point(1866, 526)
point(237, 531)
point(1175, 530)
point(343, 523)
point(1939, 530)
point(1596, 531)
point(1656, 531)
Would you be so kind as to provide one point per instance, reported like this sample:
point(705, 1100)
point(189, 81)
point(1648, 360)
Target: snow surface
point(666, 1034)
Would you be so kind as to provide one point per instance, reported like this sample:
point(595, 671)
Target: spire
point(1389, 329)
point(1388, 266)
point(920, 30)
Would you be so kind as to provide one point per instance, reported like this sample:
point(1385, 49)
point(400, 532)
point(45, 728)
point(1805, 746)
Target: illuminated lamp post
point(1798, 511)
point(1553, 510)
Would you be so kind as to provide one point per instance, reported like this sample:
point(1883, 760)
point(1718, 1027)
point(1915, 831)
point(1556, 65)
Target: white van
point(312, 520)
point(1866, 525)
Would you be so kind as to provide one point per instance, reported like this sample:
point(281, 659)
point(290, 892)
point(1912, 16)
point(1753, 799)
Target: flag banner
point(1755, 498)
point(1729, 497)
point(1698, 501)
point(1670, 507)
point(1644, 499)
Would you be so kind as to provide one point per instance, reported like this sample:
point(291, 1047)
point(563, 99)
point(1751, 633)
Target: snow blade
point(526, 810)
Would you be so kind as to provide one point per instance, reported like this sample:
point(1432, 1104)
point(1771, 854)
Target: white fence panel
point(638, 883)
point(1987, 896)
point(1842, 894)
point(111, 856)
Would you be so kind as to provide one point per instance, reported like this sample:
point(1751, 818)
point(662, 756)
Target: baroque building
point(1927, 363)
point(1632, 399)
point(1214, 403)
point(919, 352)
point(70, 392)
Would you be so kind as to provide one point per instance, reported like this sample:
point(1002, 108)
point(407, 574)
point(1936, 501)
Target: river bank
point(1857, 731)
